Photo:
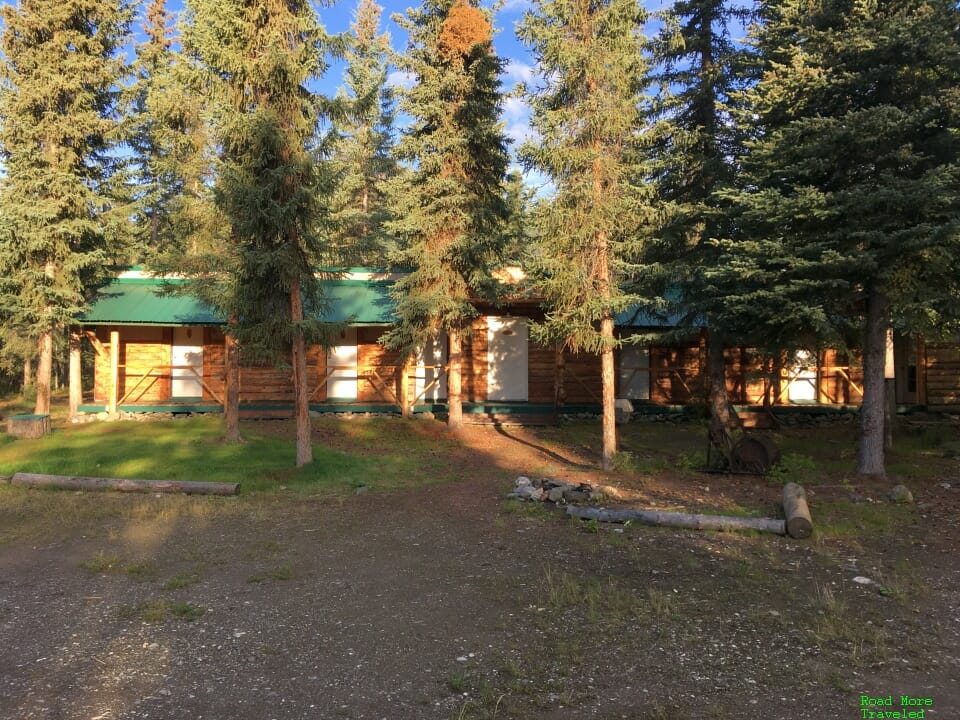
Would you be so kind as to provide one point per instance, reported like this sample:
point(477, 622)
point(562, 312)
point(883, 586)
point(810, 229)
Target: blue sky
point(337, 18)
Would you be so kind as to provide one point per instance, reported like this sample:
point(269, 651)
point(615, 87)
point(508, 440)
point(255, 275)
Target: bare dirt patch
point(446, 601)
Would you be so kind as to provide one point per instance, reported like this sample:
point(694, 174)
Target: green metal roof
point(141, 301)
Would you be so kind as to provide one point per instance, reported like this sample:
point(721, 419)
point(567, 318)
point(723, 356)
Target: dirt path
point(447, 602)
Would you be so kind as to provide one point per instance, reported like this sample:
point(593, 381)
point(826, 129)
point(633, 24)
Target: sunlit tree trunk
point(455, 381)
point(300, 393)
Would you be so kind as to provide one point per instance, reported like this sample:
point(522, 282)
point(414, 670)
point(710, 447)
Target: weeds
point(181, 580)
point(793, 467)
point(283, 572)
point(156, 611)
point(102, 562)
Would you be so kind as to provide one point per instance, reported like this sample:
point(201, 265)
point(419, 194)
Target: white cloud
point(516, 119)
point(518, 72)
point(401, 79)
point(515, 6)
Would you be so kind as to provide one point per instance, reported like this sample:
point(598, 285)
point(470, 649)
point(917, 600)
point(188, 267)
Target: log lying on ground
point(697, 522)
point(68, 482)
point(799, 522)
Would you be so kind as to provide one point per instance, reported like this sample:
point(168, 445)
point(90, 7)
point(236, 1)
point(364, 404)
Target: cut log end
point(796, 511)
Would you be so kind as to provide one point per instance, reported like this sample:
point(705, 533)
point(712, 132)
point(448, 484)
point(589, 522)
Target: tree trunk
point(27, 374)
point(720, 411)
point(870, 456)
point(44, 369)
point(76, 381)
point(301, 398)
point(455, 381)
point(403, 387)
point(231, 405)
point(607, 378)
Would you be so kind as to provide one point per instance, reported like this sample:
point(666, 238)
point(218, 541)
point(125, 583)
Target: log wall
point(141, 350)
point(677, 373)
point(475, 361)
point(941, 369)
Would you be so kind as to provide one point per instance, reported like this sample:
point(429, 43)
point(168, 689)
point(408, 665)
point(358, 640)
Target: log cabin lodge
point(162, 352)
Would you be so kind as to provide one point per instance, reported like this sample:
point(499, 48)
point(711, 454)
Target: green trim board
point(141, 301)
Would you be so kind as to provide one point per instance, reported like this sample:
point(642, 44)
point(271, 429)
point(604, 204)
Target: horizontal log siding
point(835, 384)
point(141, 350)
point(374, 357)
point(541, 374)
point(676, 374)
point(581, 378)
point(942, 375)
point(475, 347)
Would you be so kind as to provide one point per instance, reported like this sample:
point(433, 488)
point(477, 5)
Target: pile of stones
point(554, 491)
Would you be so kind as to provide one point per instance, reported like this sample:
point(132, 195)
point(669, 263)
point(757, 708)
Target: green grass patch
point(194, 450)
point(156, 611)
point(841, 519)
point(102, 562)
point(181, 580)
point(141, 571)
point(282, 572)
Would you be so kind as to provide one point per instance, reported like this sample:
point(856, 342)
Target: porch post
point(114, 371)
point(76, 383)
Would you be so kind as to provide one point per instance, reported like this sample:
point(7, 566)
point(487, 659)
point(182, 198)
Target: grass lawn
point(193, 449)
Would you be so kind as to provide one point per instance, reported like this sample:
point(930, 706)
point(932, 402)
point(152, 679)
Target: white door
point(803, 388)
point(430, 361)
point(635, 372)
point(507, 354)
point(186, 356)
point(342, 360)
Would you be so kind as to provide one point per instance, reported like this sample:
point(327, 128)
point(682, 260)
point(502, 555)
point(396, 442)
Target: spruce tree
point(700, 71)
point(170, 143)
point(60, 127)
point(363, 150)
point(852, 182)
point(449, 209)
point(586, 111)
point(259, 58)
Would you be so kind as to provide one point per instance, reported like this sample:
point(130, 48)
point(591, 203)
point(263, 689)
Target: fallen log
point(72, 482)
point(673, 519)
point(795, 509)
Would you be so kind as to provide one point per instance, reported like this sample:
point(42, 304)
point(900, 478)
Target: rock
point(901, 494)
point(861, 580)
point(527, 492)
point(945, 485)
point(555, 494)
point(523, 482)
point(624, 411)
point(575, 496)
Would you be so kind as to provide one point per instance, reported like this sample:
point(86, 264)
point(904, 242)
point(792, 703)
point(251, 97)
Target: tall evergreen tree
point(260, 57)
point(587, 114)
point(363, 150)
point(60, 126)
point(448, 211)
point(853, 181)
point(699, 72)
point(171, 145)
